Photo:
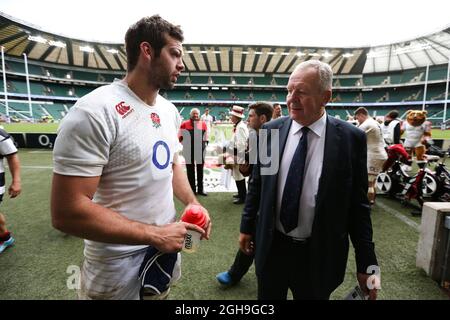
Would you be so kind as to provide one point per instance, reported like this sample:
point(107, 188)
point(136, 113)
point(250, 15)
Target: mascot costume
point(417, 131)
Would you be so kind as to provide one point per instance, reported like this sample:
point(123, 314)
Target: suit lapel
point(284, 130)
point(283, 133)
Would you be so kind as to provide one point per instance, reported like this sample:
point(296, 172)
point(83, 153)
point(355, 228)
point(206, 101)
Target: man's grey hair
point(323, 69)
point(193, 110)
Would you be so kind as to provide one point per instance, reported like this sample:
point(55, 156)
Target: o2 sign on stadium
point(38, 140)
point(161, 155)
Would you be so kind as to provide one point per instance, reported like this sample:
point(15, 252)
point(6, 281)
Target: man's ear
point(146, 50)
point(263, 118)
point(326, 97)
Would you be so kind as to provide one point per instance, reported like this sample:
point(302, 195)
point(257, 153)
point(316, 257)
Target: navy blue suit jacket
point(342, 208)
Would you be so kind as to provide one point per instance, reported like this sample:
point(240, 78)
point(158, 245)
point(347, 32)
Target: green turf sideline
point(31, 127)
point(36, 267)
point(398, 215)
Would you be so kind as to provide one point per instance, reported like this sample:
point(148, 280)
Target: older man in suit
point(317, 199)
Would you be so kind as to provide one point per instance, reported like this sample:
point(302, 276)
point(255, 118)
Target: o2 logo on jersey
point(158, 153)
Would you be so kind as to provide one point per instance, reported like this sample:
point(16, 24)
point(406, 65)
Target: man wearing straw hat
point(237, 148)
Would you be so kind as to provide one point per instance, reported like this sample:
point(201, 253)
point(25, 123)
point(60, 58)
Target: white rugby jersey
point(208, 119)
point(7, 148)
point(413, 135)
point(388, 131)
point(112, 133)
point(375, 141)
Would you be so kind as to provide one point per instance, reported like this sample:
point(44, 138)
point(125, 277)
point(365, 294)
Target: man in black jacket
point(305, 212)
point(259, 113)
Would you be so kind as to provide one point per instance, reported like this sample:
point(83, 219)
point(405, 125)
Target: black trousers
point(241, 264)
point(195, 161)
point(191, 168)
point(242, 189)
point(287, 267)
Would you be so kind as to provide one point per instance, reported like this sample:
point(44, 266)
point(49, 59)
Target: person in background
point(376, 154)
point(277, 111)
point(391, 128)
point(258, 114)
point(209, 120)
point(9, 151)
point(352, 120)
point(237, 148)
point(193, 135)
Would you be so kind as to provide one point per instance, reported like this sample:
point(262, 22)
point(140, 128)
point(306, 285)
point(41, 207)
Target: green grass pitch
point(37, 266)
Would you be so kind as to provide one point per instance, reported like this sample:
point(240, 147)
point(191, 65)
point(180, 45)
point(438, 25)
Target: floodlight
point(86, 49)
point(413, 48)
point(57, 44)
point(37, 39)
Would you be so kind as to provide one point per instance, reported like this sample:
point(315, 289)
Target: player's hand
point(208, 224)
point(170, 238)
point(14, 189)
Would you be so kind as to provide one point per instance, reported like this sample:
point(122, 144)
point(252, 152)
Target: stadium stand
point(56, 83)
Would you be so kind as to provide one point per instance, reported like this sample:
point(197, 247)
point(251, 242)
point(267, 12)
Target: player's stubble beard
point(160, 76)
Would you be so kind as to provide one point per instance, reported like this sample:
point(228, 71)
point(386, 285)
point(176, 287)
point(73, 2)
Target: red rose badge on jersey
point(155, 120)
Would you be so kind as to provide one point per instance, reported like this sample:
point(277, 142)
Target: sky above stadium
point(344, 23)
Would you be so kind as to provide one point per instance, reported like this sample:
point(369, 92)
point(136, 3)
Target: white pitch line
point(39, 151)
point(398, 215)
point(36, 167)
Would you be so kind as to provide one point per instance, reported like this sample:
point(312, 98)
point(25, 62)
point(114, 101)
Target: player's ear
point(146, 49)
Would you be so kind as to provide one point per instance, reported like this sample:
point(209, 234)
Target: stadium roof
point(18, 38)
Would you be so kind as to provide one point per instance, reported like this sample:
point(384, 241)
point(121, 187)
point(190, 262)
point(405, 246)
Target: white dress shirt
point(313, 170)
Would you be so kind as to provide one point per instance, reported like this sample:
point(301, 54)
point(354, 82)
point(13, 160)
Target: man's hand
point(364, 280)
point(14, 189)
point(246, 243)
point(171, 236)
point(208, 223)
